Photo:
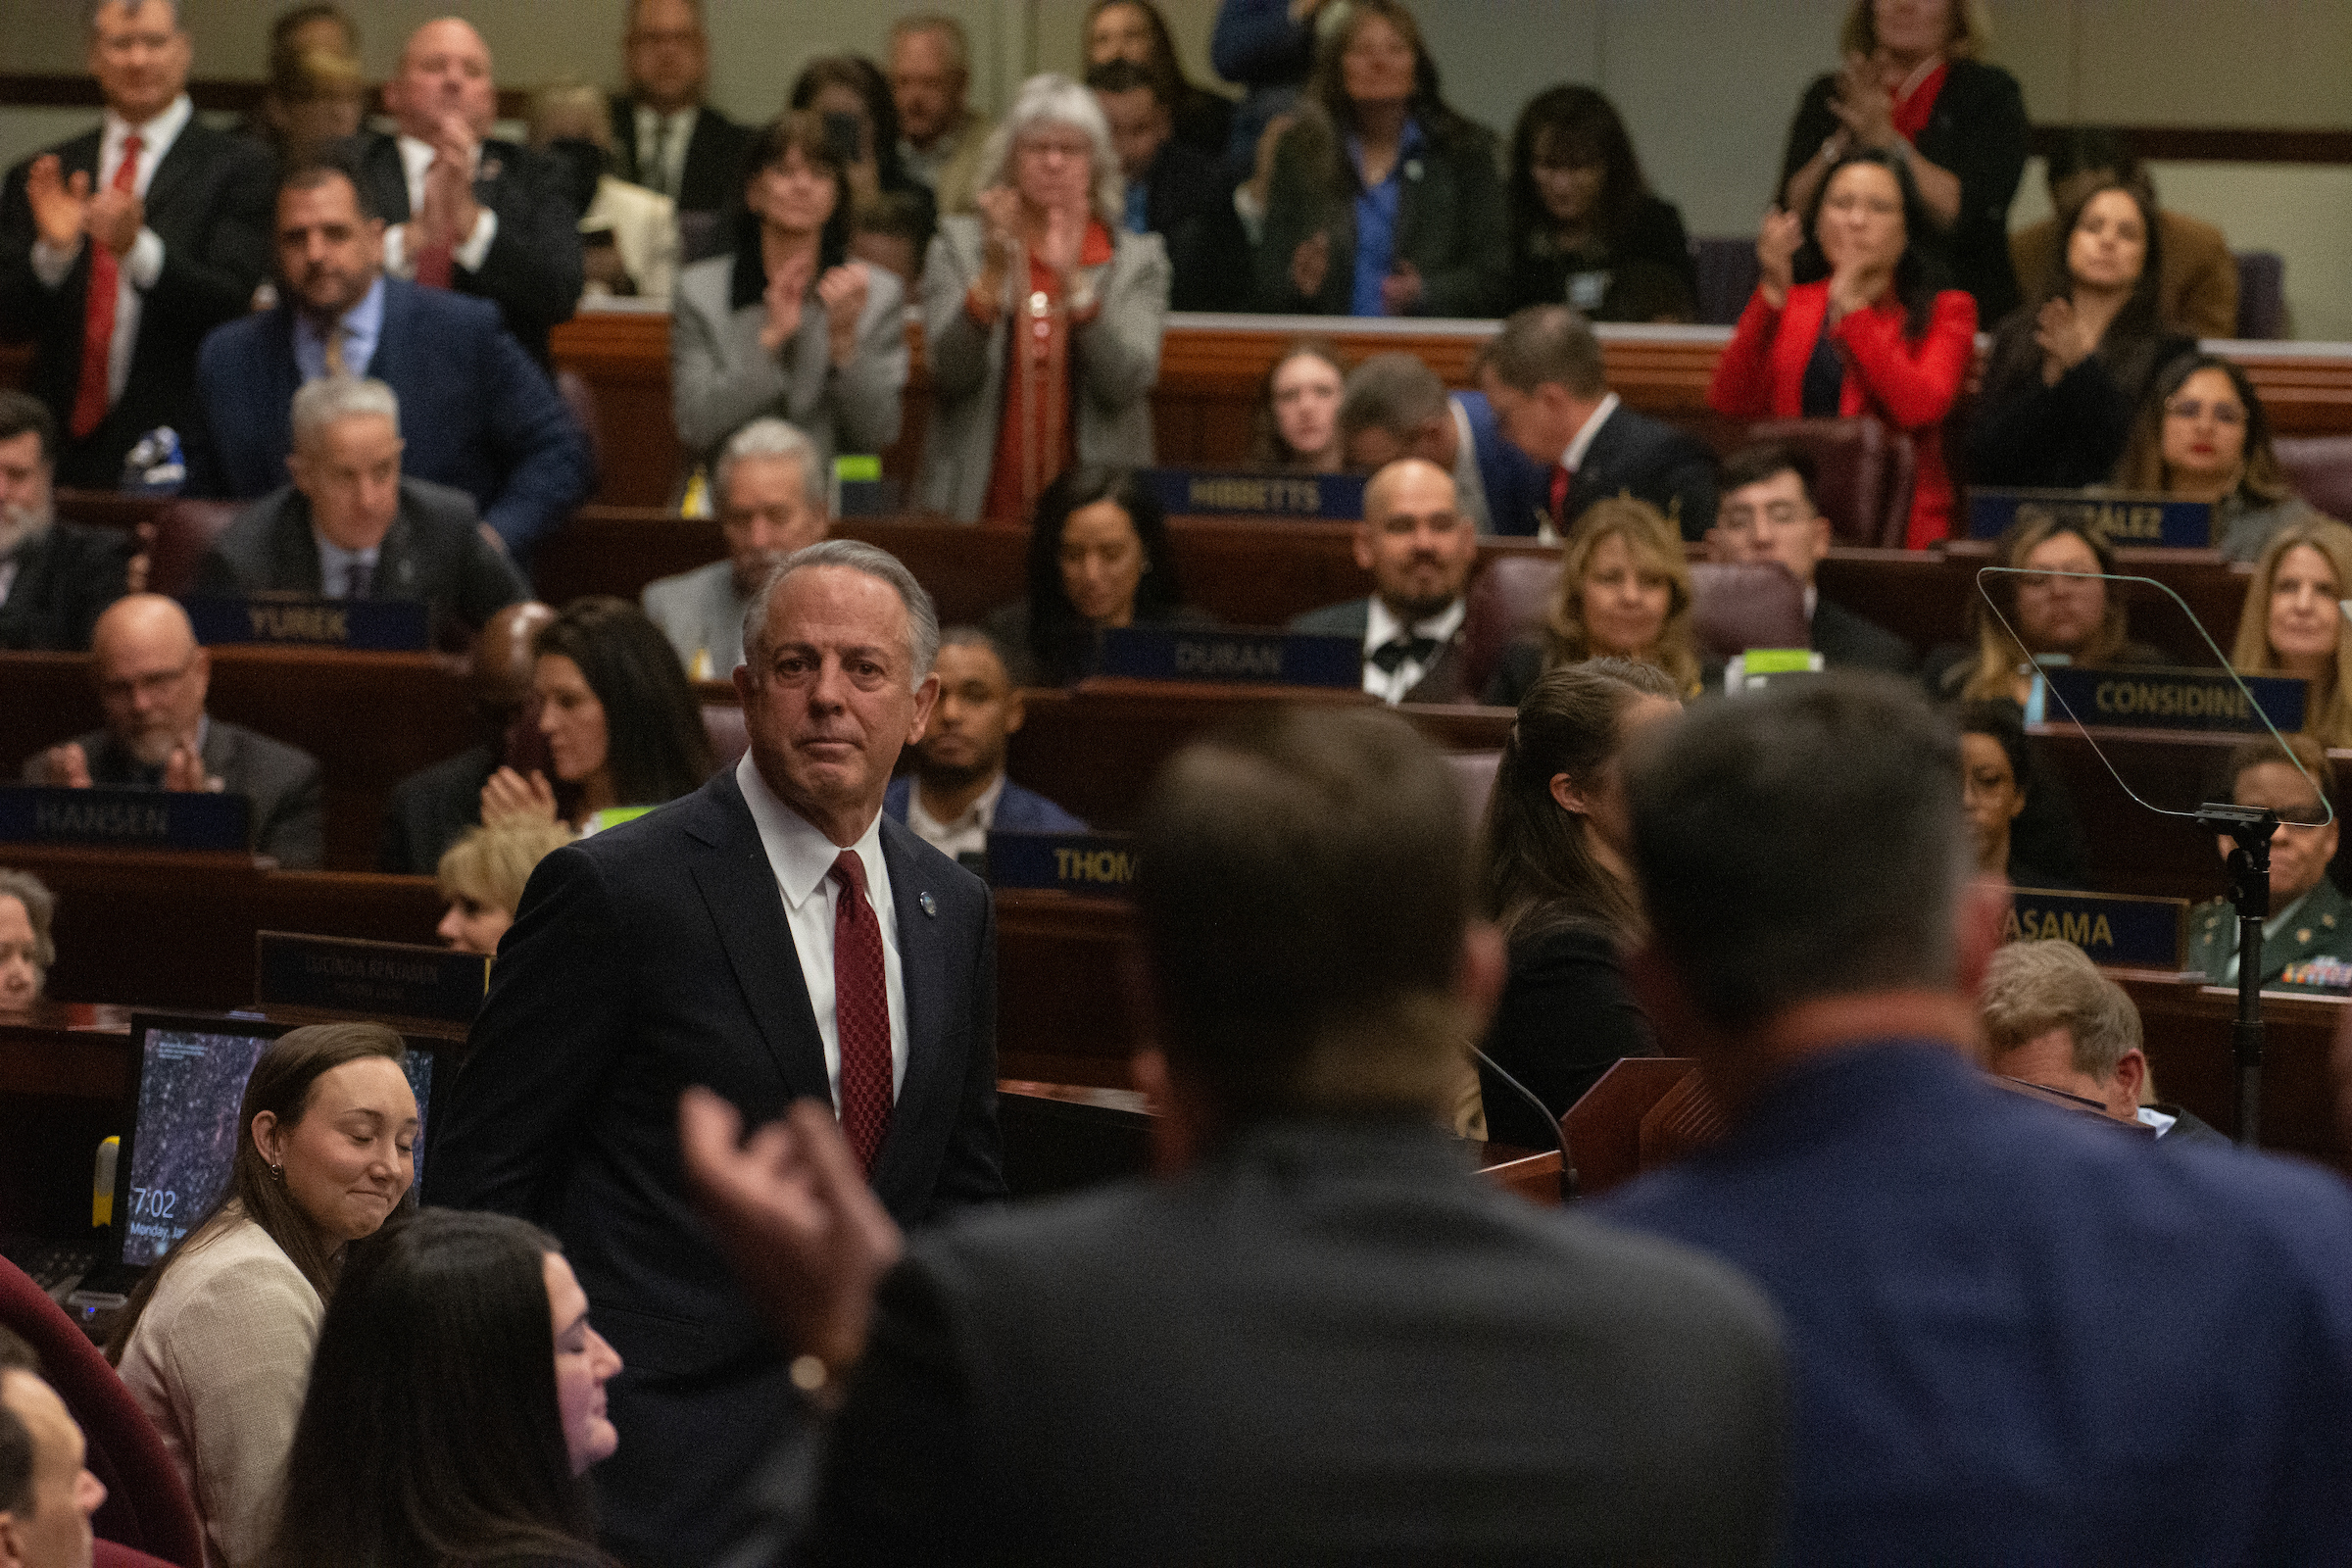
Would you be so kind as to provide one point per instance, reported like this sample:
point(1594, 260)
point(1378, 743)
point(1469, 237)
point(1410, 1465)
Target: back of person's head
point(430, 1432)
point(1303, 890)
point(2032, 988)
point(1393, 392)
point(1544, 343)
point(655, 747)
point(2143, 466)
point(324, 166)
point(489, 865)
point(1801, 843)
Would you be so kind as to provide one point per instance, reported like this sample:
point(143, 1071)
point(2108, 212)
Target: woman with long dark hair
point(2202, 435)
point(1586, 230)
point(1879, 336)
point(215, 1343)
point(455, 1406)
point(1099, 556)
point(1554, 869)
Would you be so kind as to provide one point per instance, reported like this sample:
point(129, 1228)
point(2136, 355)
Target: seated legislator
point(1419, 549)
point(152, 677)
point(1317, 1314)
point(2070, 369)
point(1174, 190)
point(1099, 555)
point(48, 1495)
point(480, 416)
point(2062, 612)
point(1553, 877)
point(1764, 512)
point(2290, 624)
point(1879, 336)
point(432, 807)
point(1296, 422)
point(2307, 939)
point(28, 947)
point(1624, 593)
point(1042, 315)
point(482, 877)
point(1384, 201)
point(215, 1343)
point(1999, 786)
point(1585, 229)
point(56, 576)
point(2052, 1020)
point(352, 526)
point(1135, 33)
point(957, 793)
point(770, 488)
point(1393, 406)
point(2202, 435)
point(2197, 289)
point(628, 234)
point(2002, 1318)
point(467, 213)
point(1543, 375)
point(786, 326)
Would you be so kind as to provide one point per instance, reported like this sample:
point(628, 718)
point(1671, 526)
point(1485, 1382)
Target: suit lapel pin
point(929, 904)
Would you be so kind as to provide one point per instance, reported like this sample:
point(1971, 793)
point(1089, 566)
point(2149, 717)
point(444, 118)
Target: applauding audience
point(850, 99)
point(1585, 228)
point(2202, 435)
point(942, 141)
point(2291, 624)
point(1135, 31)
point(2198, 291)
point(1624, 593)
point(1173, 190)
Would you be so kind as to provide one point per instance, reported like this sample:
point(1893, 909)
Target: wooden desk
point(2188, 1025)
point(65, 1078)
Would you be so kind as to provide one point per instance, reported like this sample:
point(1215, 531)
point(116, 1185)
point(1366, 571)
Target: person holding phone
point(852, 97)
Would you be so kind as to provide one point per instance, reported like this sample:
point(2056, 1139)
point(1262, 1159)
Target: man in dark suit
point(55, 576)
point(1419, 549)
point(350, 526)
point(1320, 1337)
point(958, 794)
point(1174, 191)
point(1545, 377)
point(480, 416)
point(432, 807)
point(775, 937)
point(1394, 407)
point(664, 138)
point(120, 248)
point(482, 217)
point(2018, 1333)
point(152, 679)
point(1765, 512)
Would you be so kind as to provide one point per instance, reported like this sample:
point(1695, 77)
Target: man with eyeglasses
point(664, 138)
point(152, 679)
point(1766, 512)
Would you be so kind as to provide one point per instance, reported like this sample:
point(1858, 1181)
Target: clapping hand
point(1864, 107)
point(61, 205)
point(1000, 209)
point(64, 768)
point(509, 797)
point(787, 287)
point(2066, 338)
point(843, 292)
point(1065, 233)
point(1401, 290)
point(450, 211)
point(184, 771)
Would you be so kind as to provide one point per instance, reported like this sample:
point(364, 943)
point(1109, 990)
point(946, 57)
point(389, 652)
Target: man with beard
point(771, 502)
point(1419, 549)
point(55, 577)
point(152, 679)
point(958, 794)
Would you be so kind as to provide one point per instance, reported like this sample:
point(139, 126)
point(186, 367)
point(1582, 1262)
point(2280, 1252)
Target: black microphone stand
point(2252, 827)
point(1559, 1134)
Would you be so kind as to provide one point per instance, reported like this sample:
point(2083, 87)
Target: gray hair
point(325, 401)
point(959, 46)
point(2034, 987)
point(1393, 392)
point(770, 437)
point(1053, 99)
point(922, 618)
point(40, 907)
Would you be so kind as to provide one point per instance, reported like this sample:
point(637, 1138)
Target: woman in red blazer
point(1876, 337)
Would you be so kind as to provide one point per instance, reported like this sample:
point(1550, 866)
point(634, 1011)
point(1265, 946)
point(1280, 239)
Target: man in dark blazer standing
point(1766, 512)
point(1174, 190)
point(774, 937)
point(1419, 549)
point(55, 576)
point(664, 138)
point(116, 259)
point(482, 217)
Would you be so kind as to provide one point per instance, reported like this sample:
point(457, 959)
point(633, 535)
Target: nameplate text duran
point(341, 975)
point(119, 817)
point(1096, 865)
point(1195, 493)
point(375, 625)
point(2207, 700)
point(2111, 929)
point(1246, 657)
point(2119, 520)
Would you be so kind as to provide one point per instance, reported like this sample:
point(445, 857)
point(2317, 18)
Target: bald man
point(432, 807)
point(47, 1494)
point(1418, 548)
point(482, 217)
point(152, 679)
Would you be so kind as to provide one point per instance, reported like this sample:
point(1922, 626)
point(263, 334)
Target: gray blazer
point(1117, 356)
point(699, 612)
point(721, 378)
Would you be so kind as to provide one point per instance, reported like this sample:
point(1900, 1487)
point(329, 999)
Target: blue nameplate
point(343, 975)
point(124, 818)
point(2119, 520)
point(378, 625)
point(1250, 657)
point(1199, 493)
point(2129, 932)
point(1099, 865)
point(2173, 699)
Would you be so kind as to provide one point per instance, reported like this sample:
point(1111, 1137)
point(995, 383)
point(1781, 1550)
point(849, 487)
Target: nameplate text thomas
point(1096, 865)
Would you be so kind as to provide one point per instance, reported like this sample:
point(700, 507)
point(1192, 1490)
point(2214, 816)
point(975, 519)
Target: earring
point(277, 1174)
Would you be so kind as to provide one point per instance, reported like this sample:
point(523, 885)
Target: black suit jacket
point(435, 553)
point(283, 783)
point(1846, 640)
point(65, 580)
point(1190, 206)
point(711, 177)
point(432, 808)
point(1445, 681)
point(1654, 461)
point(533, 268)
point(210, 204)
point(646, 958)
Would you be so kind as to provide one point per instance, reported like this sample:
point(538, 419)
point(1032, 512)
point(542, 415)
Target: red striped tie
point(91, 394)
point(860, 1014)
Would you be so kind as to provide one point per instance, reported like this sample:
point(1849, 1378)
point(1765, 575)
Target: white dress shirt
point(671, 132)
point(415, 157)
point(968, 833)
point(143, 264)
point(1574, 458)
point(335, 563)
point(801, 859)
point(1382, 627)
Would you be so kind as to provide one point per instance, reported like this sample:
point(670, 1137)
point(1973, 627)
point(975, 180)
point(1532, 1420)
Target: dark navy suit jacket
point(2019, 1335)
point(1518, 488)
point(1018, 810)
point(478, 414)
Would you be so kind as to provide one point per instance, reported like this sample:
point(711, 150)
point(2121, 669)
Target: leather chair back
point(1739, 604)
point(1864, 474)
point(2320, 467)
point(2260, 294)
point(1508, 600)
point(1474, 772)
point(183, 531)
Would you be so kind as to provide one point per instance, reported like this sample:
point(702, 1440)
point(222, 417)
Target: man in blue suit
point(2017, 1334)
point(478, 414)
point(1395, 406)
point(958, 792)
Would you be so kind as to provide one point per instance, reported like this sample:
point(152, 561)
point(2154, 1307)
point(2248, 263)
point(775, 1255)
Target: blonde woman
point(2292, 626)
point(2068, 613)
point(482, 876)
point(1624, 591)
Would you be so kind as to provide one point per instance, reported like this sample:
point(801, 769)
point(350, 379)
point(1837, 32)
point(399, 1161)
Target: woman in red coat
point(1875, 337)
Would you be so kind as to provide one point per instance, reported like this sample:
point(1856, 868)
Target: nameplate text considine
point(1197, 493)
point(2205, 699)
point(2111, 929)
point(1244, 658)
point(2119, 520)
point(1096, 865)
point(123, 817)
point(375, 625)
point(369, 977)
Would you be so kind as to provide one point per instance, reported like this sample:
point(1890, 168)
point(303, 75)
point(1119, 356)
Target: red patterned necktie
point(860, 1014)
point(1562, 473)
point(91, 394)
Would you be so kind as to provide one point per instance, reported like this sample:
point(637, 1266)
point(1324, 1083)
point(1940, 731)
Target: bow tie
point(1389, 655)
